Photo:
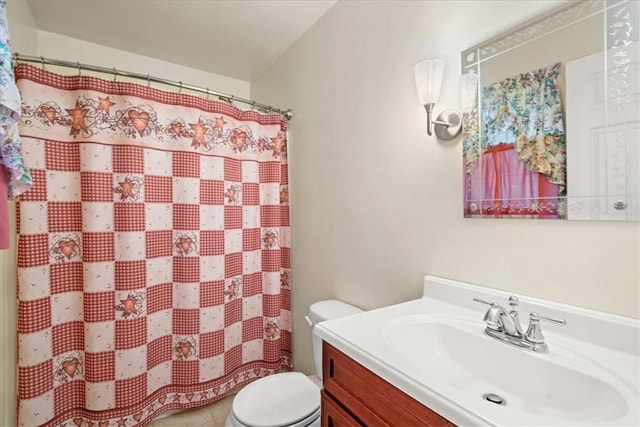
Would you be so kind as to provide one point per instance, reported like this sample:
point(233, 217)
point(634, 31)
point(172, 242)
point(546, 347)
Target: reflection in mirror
point(551, 117)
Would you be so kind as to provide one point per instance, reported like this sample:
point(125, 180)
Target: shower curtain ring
point(180, 88)
point(42, 62)
point(79, 69)
point(114, 74)
point(208, 94)
point(148, 81)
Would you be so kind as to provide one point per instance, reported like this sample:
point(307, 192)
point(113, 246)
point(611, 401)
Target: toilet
point(288, 399)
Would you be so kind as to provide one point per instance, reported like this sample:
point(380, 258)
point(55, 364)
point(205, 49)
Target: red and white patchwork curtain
point(153, 251)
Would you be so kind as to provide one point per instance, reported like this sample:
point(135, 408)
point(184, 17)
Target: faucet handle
point(483, 301)
point(492, 316)
point(534, 332)
point(550, 319)
point(513, 302)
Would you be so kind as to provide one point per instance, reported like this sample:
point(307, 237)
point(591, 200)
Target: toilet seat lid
point(277, 400)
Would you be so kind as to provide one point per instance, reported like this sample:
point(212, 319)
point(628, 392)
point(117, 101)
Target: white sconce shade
point(428, 75)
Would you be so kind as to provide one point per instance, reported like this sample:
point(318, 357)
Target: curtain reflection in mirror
point(518, 167)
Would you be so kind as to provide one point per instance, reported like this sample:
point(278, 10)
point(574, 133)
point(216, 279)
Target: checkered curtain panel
point(153, 254)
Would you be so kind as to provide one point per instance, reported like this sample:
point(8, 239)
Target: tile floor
point(213, 415)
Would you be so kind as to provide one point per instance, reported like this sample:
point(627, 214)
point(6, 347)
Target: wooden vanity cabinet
point(354, 396)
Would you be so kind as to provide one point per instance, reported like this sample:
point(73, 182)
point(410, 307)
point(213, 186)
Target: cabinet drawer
point(333, 415)
point(370, 399)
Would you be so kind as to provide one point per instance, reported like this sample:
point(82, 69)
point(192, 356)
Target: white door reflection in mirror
point(602, 146)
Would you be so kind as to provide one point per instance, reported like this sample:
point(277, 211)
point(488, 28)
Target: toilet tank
point(319, 312)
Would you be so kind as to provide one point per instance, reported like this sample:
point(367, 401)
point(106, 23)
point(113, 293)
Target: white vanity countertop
point(598, 350)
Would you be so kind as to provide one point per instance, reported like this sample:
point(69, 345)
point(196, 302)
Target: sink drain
point(494, 398)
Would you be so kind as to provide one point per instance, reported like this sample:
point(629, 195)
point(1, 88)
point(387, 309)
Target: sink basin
point(435, 350)
point(455, 354)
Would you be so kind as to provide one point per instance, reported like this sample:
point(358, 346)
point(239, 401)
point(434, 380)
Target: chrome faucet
point(505, 326)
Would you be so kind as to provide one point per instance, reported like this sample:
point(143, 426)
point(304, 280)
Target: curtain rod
point(286, 114)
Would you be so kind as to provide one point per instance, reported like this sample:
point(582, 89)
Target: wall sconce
point(428, 75)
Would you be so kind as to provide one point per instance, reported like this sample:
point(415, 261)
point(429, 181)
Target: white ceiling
point(233, 38)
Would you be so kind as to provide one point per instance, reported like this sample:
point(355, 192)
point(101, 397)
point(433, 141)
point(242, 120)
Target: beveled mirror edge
point(530, 30)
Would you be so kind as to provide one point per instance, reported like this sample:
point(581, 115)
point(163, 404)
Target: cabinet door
point(371, 400)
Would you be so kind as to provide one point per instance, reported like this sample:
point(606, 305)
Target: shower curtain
point(153, 251)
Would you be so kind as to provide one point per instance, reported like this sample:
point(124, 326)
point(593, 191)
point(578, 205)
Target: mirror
point(551, 117)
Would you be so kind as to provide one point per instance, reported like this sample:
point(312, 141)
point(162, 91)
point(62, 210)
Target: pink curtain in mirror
point(502, 185)
point(153, 252)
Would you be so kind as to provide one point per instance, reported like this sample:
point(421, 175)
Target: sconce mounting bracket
point(453, 126)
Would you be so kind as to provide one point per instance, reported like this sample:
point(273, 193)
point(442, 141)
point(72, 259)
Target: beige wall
point(376, 203)
point(57, 46)
point(26, 39)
